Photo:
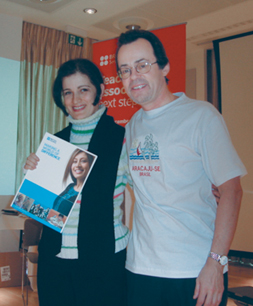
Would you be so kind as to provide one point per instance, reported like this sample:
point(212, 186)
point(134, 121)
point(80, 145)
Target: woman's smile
point(78, 170)
point(79, 95)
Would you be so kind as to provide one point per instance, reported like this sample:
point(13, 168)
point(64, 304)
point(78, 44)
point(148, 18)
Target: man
point(177, 147)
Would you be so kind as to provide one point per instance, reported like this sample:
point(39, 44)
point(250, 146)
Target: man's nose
point(134, 74)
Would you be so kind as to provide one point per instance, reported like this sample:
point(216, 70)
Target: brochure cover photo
point(49, 193)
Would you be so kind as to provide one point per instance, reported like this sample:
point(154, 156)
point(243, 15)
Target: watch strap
point(218, 257)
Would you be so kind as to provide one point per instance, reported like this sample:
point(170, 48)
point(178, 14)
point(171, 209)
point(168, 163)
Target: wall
point(10, 48)
point(196, 60)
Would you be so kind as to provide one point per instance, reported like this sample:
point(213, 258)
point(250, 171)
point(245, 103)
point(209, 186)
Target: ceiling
point(206, 19)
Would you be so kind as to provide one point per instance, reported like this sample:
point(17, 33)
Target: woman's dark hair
point(71, 67)
point(70, 162)
point(132, 35)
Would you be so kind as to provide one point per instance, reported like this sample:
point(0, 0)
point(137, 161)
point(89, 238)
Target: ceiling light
point(133, 27)
point(133, 23)
point(90, 11)
point(44, 1)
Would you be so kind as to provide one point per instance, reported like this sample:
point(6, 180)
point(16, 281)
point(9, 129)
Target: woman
point(77, 168)
point(85, 265)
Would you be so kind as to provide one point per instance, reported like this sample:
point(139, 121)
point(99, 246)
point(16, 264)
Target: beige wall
point(197, 60)
point(10, 33)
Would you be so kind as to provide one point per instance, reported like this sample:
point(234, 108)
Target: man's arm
point(209, 284)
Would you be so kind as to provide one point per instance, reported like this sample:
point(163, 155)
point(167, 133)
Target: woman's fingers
point(31, 162)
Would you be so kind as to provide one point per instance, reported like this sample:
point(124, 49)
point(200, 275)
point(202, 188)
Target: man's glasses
point(142, 68)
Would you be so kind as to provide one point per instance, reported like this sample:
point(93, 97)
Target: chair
point(241, 295)
point(31, 237)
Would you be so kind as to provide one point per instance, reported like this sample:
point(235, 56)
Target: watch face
point(223, 260)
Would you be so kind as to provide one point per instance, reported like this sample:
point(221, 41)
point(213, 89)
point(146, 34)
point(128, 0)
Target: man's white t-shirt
point(175, 153)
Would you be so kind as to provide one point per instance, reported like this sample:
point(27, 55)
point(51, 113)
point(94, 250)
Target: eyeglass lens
point(142, 67)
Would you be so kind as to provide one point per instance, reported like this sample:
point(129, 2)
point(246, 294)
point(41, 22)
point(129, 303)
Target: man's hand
point(209, 284)
point(31, 162)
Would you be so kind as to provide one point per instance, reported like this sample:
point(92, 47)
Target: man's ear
point(102, 86)
point(166, 69)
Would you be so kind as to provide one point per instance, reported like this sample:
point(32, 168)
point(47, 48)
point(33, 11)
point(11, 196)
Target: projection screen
point(234, 60)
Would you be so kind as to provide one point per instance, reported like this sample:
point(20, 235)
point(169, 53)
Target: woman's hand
point(31, 162)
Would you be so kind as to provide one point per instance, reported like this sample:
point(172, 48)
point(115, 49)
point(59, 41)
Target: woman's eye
point(66, 93)
point(84, 89)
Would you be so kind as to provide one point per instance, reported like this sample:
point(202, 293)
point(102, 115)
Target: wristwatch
point(221, 259)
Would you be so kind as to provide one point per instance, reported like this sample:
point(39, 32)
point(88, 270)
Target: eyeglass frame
point(136, 68)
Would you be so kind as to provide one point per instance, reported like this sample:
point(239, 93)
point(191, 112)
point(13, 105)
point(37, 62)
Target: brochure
point(49, 193)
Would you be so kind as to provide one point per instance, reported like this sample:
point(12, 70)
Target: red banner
point(119, 105)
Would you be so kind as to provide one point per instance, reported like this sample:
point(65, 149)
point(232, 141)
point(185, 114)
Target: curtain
point(43, 51)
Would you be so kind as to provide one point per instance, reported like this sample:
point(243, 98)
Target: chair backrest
point(31, 233)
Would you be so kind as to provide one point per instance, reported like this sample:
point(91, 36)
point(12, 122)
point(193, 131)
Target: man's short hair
point(132, 35)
